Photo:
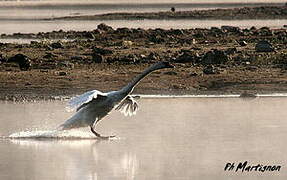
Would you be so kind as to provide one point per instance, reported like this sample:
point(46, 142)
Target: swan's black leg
point(98, 135)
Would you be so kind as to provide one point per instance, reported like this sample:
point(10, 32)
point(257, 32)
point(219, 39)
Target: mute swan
point(92, 106)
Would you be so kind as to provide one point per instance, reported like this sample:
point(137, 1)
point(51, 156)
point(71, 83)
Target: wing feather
point(128, 106)
point(78, 101)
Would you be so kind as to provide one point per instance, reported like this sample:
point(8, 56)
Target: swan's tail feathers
point(128, 107)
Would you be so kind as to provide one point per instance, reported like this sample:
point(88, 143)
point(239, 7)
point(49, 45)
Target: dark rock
point(253, 28)
point(62, 73)
point(89, 35)
point(67, 64)
point(77, 58)
point(172, 9)
point(57, 45)
point(265, 31)
point(231, 51)
point(23, 61)
point(156, 39)
point(193, 74)
point(152, 56)
point(123, 30)
point(49, 55)
point(102, 51)
point(251, 68)
point(97, 58)
point(215, 57)
point(176, 32)
point(242, 43)
point(105, 27)
point(187, 57)
point(215, 31)
point(2, 58)
point(230, 29)
point(264, 46)
point(210, 70)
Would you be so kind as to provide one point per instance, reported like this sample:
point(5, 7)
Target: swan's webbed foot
point(100, 136)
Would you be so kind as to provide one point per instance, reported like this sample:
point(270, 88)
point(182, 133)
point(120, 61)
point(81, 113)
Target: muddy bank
point(264, 12)
point(226, 60)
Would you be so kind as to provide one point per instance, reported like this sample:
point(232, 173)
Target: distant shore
point(264, 12)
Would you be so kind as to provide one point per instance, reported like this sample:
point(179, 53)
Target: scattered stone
point(176, 32)
point(242, 43)
point(230, 29)
point(2, 58)
point(127, 43)
point(265, 31)
point(77, 58)
point(44, 70)
point(156, 39)
point(89, 35)
point(187, 57)
point(264, 46)
point(67, 64)
point(231, 51)
point(172, 9)
point(214, 57)
point(62, 73)
point(105, 27)
point(102, 51)
point(57, 45)
point(210, 69)
point(23, 61)
point(123, 31)
point(97, 58)
point(251, 68)
point(49, 55)
point(193, 74)
point(152, 56)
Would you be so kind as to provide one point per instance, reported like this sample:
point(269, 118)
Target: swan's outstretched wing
point(79, 101)
point(128, 106)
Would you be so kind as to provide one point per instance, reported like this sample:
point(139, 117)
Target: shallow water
point(25, 16)
point(23, 26)
point(169, 138)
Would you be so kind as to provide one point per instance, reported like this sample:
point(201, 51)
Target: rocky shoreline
point(263, 12)
point(225, 60)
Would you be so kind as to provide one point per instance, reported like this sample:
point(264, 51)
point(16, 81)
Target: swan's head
point(163, 64)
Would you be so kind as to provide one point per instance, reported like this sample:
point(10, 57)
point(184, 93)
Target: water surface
point(169, 138)
point(25, 16)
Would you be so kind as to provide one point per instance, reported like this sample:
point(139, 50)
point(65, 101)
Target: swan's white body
point(92, 106)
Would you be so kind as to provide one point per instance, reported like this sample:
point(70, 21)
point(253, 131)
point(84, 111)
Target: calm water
point(169, 138)
point(25, 16)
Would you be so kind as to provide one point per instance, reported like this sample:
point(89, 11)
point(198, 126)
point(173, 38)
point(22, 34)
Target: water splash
point(52, 134)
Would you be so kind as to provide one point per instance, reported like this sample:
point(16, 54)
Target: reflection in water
point(81, 159)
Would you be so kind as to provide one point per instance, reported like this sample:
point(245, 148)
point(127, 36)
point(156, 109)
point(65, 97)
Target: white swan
point(92, 106)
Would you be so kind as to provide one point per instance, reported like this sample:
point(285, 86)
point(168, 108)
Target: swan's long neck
point(129, 88)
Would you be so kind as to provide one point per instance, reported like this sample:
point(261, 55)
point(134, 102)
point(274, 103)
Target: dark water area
point(169, 138)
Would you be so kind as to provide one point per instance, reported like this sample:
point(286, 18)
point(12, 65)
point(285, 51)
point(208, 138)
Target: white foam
point(52, 134)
